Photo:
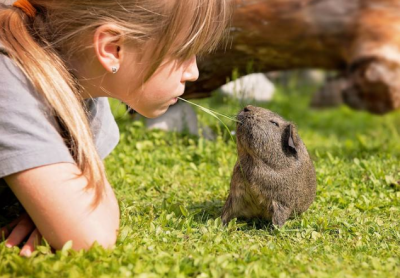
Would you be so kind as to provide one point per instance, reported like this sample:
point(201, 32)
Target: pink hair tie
point(26, 7)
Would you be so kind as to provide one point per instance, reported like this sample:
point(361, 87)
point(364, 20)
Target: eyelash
point(275, 123)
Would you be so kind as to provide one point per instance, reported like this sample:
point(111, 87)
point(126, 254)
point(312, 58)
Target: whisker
point(214, 114)
point(207, 110)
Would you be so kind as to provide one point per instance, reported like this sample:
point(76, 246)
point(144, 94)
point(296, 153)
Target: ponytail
point(44, 68)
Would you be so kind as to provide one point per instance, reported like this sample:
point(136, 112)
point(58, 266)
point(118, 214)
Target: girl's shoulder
point(30, 133)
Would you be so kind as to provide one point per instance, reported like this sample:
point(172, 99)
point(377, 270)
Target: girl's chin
point(157, 113)
point(174, 100)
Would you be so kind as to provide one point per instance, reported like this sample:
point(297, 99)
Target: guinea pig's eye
point(275, 123)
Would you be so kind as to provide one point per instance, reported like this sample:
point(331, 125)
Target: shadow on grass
point(211, 210)
point(10, 207)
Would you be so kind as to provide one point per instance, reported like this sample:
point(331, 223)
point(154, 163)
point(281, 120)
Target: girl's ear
point(108, 46)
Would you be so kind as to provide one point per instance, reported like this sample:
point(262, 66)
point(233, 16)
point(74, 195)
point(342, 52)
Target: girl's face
point(152, 98)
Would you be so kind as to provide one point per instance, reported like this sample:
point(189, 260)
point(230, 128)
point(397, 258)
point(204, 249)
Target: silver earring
point(114, 70)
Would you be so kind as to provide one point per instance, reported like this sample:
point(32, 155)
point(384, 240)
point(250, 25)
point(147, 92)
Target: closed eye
point(275, 123)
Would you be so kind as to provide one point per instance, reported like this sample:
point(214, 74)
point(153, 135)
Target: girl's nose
point(191, 72)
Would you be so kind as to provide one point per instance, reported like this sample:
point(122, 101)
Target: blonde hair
point(42, 44)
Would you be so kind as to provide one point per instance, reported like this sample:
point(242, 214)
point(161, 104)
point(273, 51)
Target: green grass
point(171, 189)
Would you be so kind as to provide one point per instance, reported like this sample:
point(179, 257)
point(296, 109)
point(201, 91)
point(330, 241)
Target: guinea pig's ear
point(292, 137)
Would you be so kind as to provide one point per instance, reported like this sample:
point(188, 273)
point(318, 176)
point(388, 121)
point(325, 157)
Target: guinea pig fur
point(274, 177)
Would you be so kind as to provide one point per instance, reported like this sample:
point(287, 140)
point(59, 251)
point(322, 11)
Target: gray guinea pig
point(274, 177)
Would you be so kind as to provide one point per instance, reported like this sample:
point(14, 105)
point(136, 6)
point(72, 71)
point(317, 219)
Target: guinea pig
point(274, 177)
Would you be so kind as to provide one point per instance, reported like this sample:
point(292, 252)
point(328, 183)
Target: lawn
point(171, 188)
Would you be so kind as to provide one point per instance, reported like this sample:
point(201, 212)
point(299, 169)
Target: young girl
point(59, 61)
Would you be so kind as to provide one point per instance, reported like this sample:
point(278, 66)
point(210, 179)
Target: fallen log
point(359, 38)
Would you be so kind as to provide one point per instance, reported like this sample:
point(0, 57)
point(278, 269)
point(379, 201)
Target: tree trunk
point(360, 38)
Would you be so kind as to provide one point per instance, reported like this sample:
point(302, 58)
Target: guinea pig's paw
point(281, 213)
point(226, 216)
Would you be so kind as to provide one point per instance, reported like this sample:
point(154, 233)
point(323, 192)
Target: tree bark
point(360, 38)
